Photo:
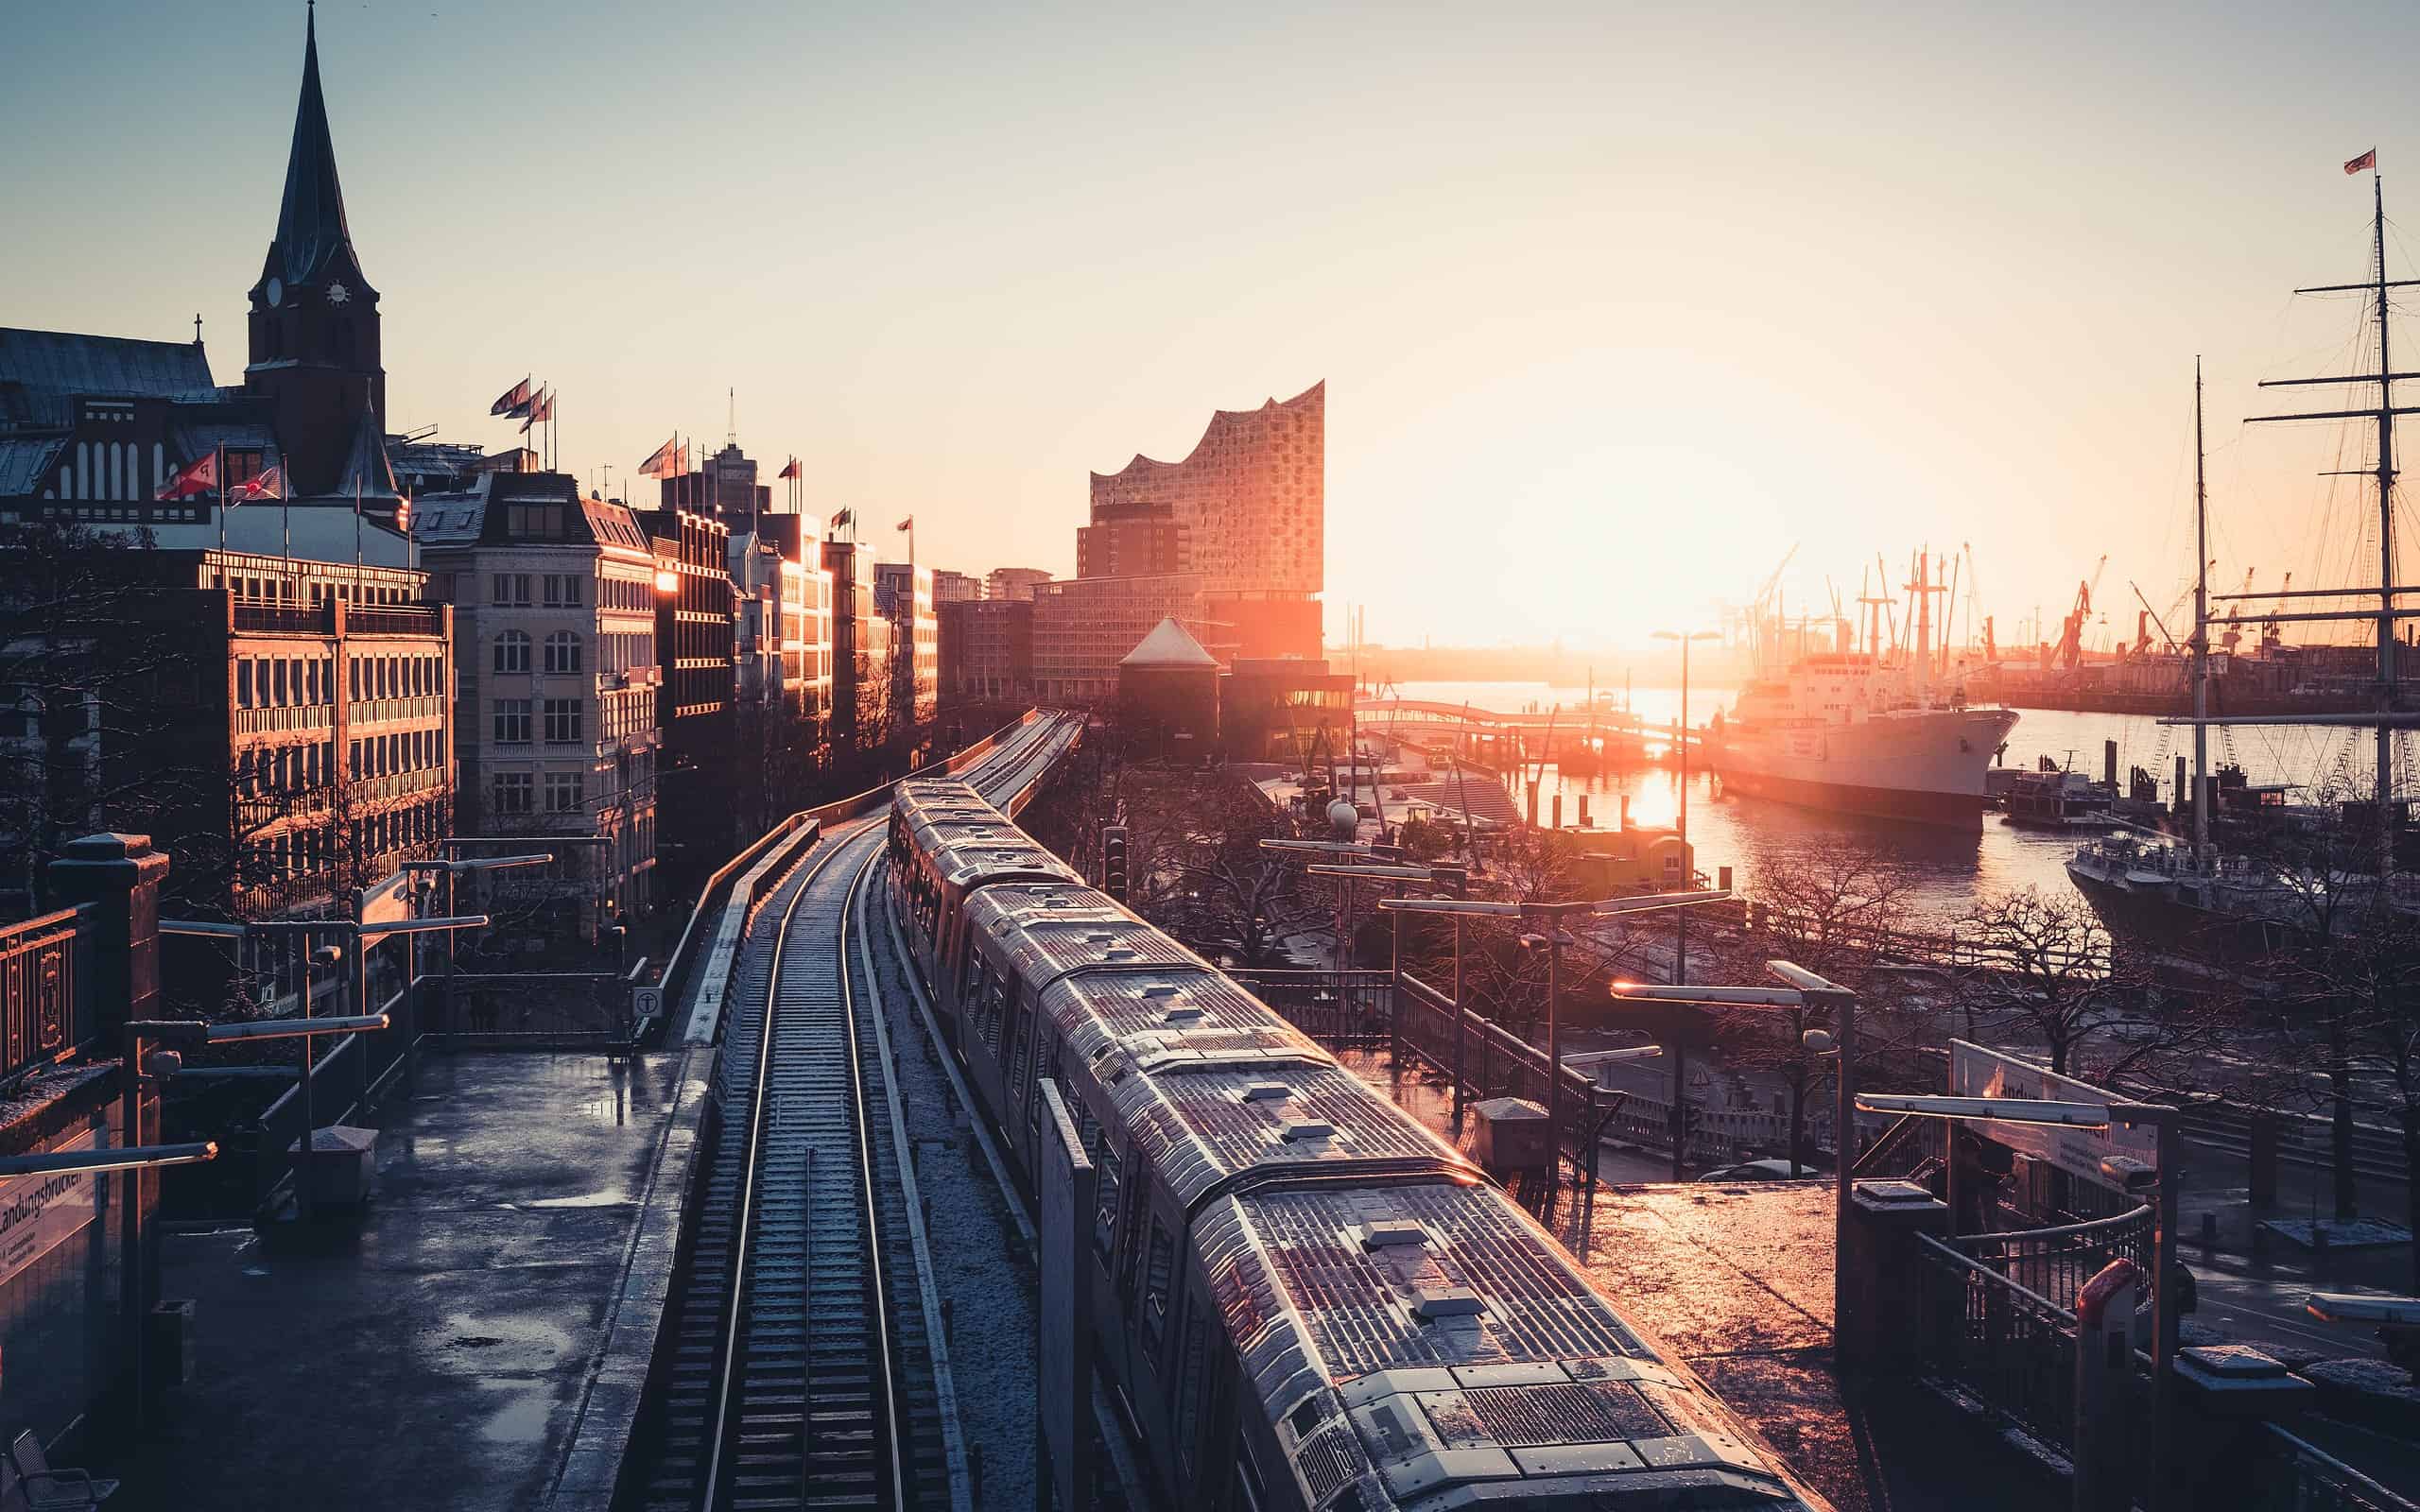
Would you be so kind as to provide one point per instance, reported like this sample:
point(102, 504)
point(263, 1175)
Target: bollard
point(2210, 1234)
point(2104, 1379)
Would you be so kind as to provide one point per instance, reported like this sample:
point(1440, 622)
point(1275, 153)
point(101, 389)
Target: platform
point(441, 1356)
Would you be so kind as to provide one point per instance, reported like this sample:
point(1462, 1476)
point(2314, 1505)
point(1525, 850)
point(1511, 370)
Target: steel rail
point(791, 949)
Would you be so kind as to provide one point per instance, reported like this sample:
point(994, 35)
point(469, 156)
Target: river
point(1946, 868)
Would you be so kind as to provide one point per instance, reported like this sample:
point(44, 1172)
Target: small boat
point(2057, 799)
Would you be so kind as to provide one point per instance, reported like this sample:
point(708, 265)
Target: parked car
point(1767, 1170)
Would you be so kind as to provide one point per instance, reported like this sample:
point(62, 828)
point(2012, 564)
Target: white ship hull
point(1925, 765)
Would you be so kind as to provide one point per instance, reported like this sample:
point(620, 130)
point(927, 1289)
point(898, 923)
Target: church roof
point(365, 461)
point(1168, 645)
point(42, 372)
point(310, 221)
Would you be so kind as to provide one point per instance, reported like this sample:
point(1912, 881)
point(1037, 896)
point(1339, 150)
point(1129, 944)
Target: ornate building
point(1246, 511)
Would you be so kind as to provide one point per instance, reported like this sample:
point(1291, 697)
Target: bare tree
point(2040, 963)
point(1823, 908)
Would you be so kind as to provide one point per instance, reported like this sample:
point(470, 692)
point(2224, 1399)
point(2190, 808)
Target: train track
point(800, 1367)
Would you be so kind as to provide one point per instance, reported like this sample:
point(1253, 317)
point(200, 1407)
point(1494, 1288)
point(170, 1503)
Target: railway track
point(799, 1366)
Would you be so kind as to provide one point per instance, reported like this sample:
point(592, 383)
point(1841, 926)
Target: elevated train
point(1305, 1298)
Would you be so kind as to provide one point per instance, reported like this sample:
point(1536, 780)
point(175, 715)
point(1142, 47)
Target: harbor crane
point(2068, 654)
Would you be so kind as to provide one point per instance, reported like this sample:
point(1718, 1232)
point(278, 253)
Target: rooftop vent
point(1183, 1015)
point(1447, 1301)
point(1389, 1233)
point(1118, 953)
point(1159, 990)
point(1267, 1092)
point(1297, 1130)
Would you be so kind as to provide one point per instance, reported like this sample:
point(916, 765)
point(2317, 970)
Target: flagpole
point(220, 470)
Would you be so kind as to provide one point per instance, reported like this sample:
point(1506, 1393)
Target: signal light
point(1113, 861)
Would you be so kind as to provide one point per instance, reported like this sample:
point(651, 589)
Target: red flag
point(2368, 159)
point(842, 518)
point(789, 472)
point(541, 408)
point(909, 524)
point(662, 462)
point(270, 484)
point(512, 401)
point(198, 476)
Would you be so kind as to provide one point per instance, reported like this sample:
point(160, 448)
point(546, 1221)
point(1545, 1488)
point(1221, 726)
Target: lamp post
point(1805, 991)
point(1681, 926)
point(1545, 921)
point(154, 1052)
point(2162, 1120)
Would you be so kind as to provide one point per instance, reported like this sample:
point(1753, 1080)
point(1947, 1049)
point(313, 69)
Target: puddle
point(522, 1420)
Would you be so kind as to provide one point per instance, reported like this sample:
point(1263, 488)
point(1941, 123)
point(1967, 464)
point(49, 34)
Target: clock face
point(276, 290)
point(337, 294)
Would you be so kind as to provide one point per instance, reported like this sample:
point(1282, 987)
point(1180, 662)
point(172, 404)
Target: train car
point(945, 843)
point(1425, 1344)
point(1305, 1298)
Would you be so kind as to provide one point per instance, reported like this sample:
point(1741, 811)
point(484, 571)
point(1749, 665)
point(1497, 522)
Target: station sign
point(39, 1212)
point(1975, 1072)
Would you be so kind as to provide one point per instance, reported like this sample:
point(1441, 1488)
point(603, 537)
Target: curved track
point(800, 1369)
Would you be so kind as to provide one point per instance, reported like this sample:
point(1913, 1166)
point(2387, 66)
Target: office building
point(695, 615)
point(904, 596)
point(986, 649)
point(954, 587)
point(555, 609)
point(1082, 627)
point(1136, 539)
point(1013, 582)
point(862, 652)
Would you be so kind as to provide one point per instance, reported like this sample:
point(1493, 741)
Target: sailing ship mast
point(2200, 632)
point(2382, 414)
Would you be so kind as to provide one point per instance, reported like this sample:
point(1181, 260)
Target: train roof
point(1004, 902)
point(1428, 1337)
point(1045, 943)
point(1166, 1014)
point(918, 791)
point(1200, 1124)
point(971, 861)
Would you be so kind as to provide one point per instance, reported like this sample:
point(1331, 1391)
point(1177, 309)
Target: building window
point(565, 591)
point(563, 652)
point(512, 792)
point(512, 652)
point(563, 792)
point(563, 720)
point(512, 721)
point(512, 588)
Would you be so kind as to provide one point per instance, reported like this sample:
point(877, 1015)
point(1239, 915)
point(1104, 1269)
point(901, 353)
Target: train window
point(1020, 1041)
point(1188, 1391)
point(1250, 1495)
point(973, 979)
point(996, 1012)
point(1107, 1169)
point(1046, 1068)
point(1156, 1277)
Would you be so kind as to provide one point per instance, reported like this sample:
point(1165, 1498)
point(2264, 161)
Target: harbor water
point(1946, 868)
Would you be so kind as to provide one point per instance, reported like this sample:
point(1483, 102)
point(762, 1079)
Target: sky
point(1615, 304)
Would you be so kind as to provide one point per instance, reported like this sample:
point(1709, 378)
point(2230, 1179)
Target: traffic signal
point(1113, 861)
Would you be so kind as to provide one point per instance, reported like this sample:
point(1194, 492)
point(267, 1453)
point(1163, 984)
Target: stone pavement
point(440, 1354)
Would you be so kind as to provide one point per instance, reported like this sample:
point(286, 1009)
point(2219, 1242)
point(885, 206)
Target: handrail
point(1987, 1273)
point(2387, 1499)
point(2089, 1226)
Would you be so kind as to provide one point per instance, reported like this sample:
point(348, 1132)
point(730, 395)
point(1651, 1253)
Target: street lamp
point(1551, 916)
point(1806, 991)
point(172, 1037)
point(1681, 950)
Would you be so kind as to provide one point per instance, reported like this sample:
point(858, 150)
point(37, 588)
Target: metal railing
point(46, 1006)
point(2055, 1262)
point(2308, 1479)
point(2001, 1342)
point(1351, 1008)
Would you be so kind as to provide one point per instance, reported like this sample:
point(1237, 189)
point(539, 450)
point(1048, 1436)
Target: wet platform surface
point(438, 1355)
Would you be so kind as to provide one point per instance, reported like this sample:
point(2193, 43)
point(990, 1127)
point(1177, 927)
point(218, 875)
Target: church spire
point(310, 222)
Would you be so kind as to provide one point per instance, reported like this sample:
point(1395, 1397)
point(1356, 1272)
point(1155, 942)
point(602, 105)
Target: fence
point(2055, 1262)
point(46, 1006)
point(2003, 1343)
point(2305, 1478)
point(1334, 1008)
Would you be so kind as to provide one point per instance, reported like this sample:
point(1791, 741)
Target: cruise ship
point(1860, 734)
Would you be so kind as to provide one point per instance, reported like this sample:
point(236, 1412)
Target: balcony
point(424, 707)
point(292, 716)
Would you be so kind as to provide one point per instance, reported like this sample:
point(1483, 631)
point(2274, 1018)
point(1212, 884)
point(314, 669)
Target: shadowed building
point(1083, 626)
point(986, 648)
point(1013, 582)
point(1167, 693)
